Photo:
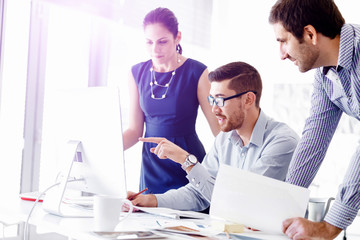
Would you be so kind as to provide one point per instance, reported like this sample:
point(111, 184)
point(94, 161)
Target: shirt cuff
point(340, 215)
point(198, 176)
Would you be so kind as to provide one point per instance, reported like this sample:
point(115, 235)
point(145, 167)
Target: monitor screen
point(84, 133)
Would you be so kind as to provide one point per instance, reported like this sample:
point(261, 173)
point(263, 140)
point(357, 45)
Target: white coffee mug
point(318, 207)
point(108, 212)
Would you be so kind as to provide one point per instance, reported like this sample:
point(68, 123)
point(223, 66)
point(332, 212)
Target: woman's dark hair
point(294, 15)
point(244, 77)
point(166, 18)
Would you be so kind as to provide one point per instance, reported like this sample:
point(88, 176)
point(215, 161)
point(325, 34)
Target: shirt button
point(197, 185)
point(193, 179)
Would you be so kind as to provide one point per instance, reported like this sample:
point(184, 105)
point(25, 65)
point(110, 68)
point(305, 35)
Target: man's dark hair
point(294, 15)
point(244, 77)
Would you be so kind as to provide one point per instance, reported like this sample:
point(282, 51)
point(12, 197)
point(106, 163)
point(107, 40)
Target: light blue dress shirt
point(336, 90)
point(269, 153)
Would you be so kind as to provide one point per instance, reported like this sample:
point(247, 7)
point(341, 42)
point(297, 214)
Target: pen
point(136, 194)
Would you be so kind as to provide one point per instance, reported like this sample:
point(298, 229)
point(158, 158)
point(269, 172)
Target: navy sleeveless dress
point(173, 117)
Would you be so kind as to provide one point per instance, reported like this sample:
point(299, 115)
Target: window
point(68, 48)
point(14, 41)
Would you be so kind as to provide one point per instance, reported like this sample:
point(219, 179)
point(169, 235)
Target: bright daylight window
point(14, 39)
point(12, 95)
point(84, 49)
point(67, 66)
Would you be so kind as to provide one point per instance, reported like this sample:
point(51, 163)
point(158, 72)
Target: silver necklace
point(154, 82)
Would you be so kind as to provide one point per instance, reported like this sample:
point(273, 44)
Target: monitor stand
point(53, 201)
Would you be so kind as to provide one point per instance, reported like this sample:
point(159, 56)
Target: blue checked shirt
point(336, 90)
point(269, 152)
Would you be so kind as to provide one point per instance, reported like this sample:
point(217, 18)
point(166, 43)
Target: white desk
point(81, 228)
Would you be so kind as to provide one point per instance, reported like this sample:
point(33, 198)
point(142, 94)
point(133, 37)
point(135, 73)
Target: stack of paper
point(171, 213)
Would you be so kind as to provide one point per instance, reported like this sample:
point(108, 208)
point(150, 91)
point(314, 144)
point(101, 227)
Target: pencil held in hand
point(137, 194)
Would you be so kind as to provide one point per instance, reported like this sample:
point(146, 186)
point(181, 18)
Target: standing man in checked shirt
point(313, 34)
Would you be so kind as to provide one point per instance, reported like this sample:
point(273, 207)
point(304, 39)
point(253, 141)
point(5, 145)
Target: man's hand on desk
point(301, 228)
point(143, 200)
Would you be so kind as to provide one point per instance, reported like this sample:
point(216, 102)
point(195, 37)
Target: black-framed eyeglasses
point(220, 101)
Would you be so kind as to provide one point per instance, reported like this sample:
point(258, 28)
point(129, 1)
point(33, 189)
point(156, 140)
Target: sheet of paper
point(256, 201)
point(171, 213)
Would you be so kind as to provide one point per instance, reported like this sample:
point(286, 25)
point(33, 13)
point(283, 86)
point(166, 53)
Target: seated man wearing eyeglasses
point(249, 140)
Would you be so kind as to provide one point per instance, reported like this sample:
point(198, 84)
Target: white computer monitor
point(83, 131)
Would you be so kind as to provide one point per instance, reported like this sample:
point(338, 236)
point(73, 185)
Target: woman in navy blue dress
point(166, 92)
